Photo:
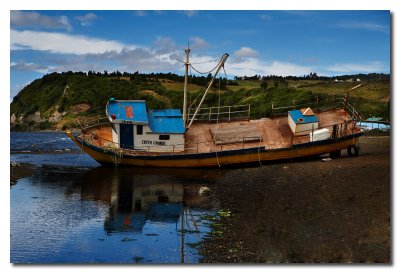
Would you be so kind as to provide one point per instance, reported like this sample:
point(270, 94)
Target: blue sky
point(259, 42)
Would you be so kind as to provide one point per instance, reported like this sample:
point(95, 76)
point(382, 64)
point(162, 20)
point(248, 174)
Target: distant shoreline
point(39, 131)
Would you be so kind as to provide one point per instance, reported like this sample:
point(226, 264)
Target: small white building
point(302, 121)
point(135, 127)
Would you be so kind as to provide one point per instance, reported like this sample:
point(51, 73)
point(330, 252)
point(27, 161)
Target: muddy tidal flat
point(312, 211)
point(306, 212)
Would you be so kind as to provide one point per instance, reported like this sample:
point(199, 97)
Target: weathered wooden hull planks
point(216, 159)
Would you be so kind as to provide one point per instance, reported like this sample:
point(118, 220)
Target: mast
point(348, 92)
point(221, 64)
point(187, 51)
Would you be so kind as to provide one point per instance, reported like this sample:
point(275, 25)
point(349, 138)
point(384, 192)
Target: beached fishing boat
point(131, 134)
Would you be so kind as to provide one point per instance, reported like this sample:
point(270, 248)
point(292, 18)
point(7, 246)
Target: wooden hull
point(217, 159)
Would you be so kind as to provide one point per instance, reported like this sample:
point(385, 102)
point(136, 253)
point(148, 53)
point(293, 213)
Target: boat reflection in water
point(173, 207)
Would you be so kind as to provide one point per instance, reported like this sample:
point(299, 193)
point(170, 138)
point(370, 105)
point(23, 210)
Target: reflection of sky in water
point(66, 215)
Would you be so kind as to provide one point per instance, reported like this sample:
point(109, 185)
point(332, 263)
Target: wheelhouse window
point(139, 129)
point(163, 137)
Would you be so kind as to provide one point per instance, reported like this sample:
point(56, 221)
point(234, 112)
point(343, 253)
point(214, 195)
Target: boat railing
point(210, 114)
point(92, 121)
point(336, 102)
point(336, 131)
point(350, 109)
point(188, 148)
point(226, 113)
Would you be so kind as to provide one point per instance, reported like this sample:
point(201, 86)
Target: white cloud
point(299, 12)
point(140, 13)
point(62, 43)
point(371, 26)
point(163, 45)
point(33, 19)
point(30, 67)
point(246, 52)
point(97, 54)
point(190, 13)
point(368, 67)
point(254, 66)
point(14, 90)
point(87, 19)
point(198, 43)
point(265, 17)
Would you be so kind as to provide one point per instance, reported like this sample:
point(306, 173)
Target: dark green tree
point(264, 84)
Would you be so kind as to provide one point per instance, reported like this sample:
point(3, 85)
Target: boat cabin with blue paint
point(302, 121)
point(137, 128)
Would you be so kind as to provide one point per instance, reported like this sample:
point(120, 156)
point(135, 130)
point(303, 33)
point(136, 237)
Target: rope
point(259, 157)
point(198, 96)
point(204, 72)
point(80, 155)
point(219, 104)
point(117, 156)
point(216, 154)
point(223, 67)
point(219, 97)
point(177, 69)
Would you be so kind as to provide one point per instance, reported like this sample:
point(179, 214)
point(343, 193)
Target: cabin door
point(126, 136)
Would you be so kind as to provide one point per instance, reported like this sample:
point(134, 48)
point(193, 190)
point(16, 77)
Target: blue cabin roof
point(299, 118)
point(166, 121)
point(128, 110)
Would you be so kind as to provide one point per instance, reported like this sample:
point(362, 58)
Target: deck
point(275, 132)
point(269, 133)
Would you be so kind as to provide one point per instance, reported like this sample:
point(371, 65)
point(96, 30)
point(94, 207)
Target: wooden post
point(292, 139)
point(312, 133)
point(187, 51)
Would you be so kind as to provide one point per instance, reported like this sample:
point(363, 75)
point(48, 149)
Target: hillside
point(57, 99)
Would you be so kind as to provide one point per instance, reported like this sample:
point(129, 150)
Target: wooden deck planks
point(235, 133)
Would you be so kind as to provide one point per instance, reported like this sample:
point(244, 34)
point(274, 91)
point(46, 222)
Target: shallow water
point(71, 211)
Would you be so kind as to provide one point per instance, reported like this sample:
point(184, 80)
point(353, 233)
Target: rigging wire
point(223, 67)
point(217, 59)
point(177, 69)
point(204, 72)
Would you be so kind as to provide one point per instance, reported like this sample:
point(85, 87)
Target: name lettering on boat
point(150, 142)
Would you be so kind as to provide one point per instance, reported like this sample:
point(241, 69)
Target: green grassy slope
point(77, 94)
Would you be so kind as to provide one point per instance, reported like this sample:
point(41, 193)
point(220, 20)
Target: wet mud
point(18, 171)
point(336, 211)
